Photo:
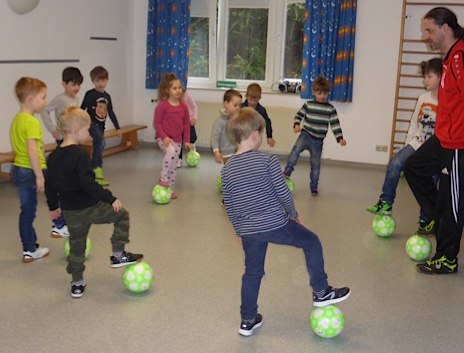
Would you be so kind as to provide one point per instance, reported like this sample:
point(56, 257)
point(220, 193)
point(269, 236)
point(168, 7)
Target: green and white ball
point(161, 194)
point(383, 225)
point(328, 321)
point(88, 247)
point(418, 248)
point(192, 158)
point(219, 183)
point(290, 184)
point(138, 277)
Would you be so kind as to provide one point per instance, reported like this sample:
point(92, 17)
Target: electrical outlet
point(381, 148)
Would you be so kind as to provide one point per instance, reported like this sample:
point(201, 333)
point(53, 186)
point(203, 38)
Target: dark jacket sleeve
point(86, 178)
point(111, 113)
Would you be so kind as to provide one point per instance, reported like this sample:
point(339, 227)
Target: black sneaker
point(331, 296)
point(77, 291)
point(247, 327)
point(426, 229)
point(125, 259)
point(441, 266)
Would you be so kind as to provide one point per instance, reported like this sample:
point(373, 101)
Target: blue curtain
point(328, 48)
point(167, 40)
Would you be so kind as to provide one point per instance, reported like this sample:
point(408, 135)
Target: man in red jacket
point(443, 153)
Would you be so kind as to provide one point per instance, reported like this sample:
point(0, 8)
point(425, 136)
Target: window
point(245, 41)
point(294, 40)
point(202, 34)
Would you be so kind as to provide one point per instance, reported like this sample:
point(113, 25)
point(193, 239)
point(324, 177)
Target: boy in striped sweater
point(313, 120)
point(261, 210)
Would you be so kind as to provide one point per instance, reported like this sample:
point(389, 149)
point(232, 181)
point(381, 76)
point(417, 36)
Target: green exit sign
point(226, 84)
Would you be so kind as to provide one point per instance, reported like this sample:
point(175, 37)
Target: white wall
point(61, 29)
point(366, 122)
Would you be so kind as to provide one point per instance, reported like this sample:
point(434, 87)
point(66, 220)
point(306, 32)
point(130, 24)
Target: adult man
point(443, 153)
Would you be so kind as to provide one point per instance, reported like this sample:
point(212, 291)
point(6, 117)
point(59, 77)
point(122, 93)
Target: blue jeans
point(97, 131)
point(306, 142)
point(392, 177)
point(255, 246)
point(24, 179)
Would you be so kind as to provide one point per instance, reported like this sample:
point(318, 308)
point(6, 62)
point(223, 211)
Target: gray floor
point(193, 305)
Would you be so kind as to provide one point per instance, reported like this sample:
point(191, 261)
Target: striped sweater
point(256, 197)
point(316, 118)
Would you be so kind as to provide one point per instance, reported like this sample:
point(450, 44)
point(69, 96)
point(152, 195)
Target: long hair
point(442, 15)
point(165, 84)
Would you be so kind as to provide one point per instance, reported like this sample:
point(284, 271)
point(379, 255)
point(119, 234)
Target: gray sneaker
point(29, 256)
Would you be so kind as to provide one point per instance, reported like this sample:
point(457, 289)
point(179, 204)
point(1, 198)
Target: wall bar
point(104, 38)
point(44, 61)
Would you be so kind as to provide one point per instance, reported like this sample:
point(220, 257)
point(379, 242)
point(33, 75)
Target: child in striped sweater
point(313, 120)
point(261, 210)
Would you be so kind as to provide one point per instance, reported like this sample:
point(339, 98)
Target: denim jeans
point(306, 142)
point(255, 246)
point(97, 131)
point(24, 180)
point(392, 177)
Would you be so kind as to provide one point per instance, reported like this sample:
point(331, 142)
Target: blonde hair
point(242, 124)
point(71, 117)
point(254, 90)
point(165, 84)
point(28, 86)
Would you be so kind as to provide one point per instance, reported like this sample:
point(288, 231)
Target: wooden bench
point(129, 139)
point(9, 157)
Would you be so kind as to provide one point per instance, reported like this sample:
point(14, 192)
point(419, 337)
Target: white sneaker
point(179, 163)
point(60, 232)
point(29, 256)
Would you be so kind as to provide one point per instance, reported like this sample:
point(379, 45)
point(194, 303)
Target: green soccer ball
point(290, 184)
point(138, 277)
point(418, 248)
point(219, 183)
point(192, 158)
point(383, 225)
point(88, 247)
point(328, 321)
point(161, 194)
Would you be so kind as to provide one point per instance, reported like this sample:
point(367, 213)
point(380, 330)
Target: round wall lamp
point(23, 6)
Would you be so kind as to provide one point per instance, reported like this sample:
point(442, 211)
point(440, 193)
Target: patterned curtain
point(167, 40)
point(328, 48)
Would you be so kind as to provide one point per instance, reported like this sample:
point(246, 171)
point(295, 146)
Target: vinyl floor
point(193, 305)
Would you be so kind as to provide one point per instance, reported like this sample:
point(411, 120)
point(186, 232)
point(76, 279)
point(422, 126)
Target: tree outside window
point(246, 44)
point(294, 34)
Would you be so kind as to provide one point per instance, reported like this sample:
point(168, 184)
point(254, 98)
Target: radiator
point(282, 126)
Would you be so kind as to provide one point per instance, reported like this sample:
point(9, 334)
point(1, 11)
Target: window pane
point(246, 43)
point(199, 47)
point(294, 40)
